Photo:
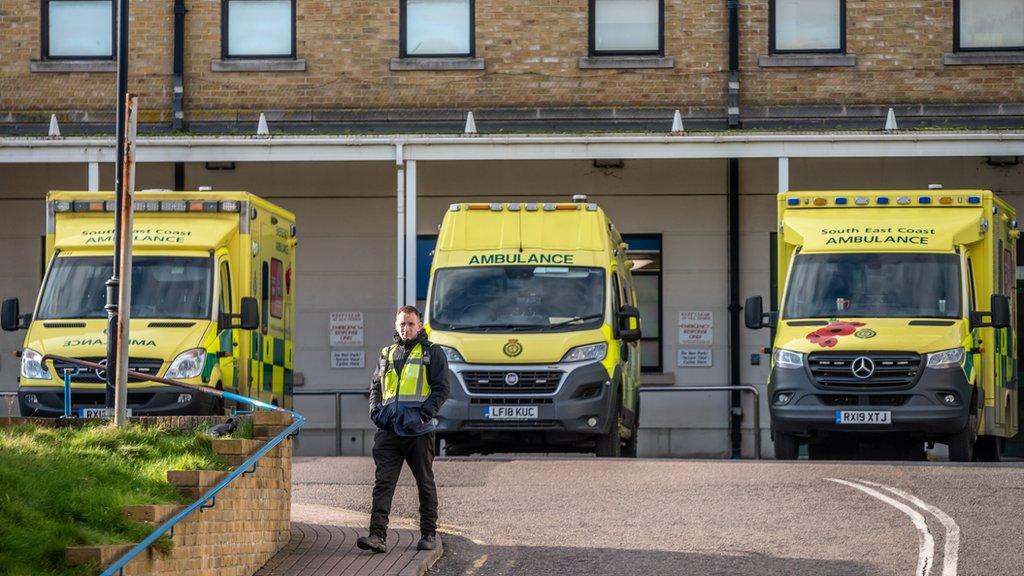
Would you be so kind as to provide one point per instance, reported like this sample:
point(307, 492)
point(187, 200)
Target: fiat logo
point(101, 374)
point(511, 378)
point(863, 367)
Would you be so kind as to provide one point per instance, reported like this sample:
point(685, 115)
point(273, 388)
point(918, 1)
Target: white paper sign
point(347, 359)
point(694, 358)
point(696, 328)
point(346, 329)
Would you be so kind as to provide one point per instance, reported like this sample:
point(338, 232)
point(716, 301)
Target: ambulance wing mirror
point(11, 317)
point(754, 316)
point(629, 323)
point(999, 314)
point(248, 319)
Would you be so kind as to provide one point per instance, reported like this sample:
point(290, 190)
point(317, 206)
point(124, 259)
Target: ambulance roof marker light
point(974, 199)
point(820, 202)
point(841, 201)
point(591, 207)
point(793, 201)
point(935, 186)
point(496, 207)
point(549, 207)
point(903, 200)
point(478, 206)
point(861, 201)
point(531, 206)
point(62, 206)
point(882, 201)
point(579, 198)
point(513, 206)
point(454, 208)
point(924, 200)
point(945, 200)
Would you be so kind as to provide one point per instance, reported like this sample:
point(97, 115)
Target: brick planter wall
point(249, 523)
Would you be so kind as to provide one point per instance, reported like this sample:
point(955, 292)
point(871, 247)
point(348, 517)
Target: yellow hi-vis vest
point(412, 386)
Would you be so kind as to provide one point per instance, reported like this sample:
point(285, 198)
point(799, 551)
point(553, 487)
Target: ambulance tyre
point(961, 444)
point(787, 447)
point(629, 449)
point(989, 449)
point(610, 444)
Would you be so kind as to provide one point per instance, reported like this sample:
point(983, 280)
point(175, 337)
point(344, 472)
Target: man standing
point(408, 388)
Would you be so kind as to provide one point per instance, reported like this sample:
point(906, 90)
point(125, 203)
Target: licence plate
point(863, 417)
point(98, 413)
point(510, 412)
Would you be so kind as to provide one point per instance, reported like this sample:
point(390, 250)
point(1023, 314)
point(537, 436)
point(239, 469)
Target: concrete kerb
point(423, 560)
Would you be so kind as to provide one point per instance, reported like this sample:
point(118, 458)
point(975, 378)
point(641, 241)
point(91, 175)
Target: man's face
point(407, 325)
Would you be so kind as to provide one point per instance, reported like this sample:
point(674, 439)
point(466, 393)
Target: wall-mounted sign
point(341, 359)
point(346, 329)
point(694, 358)
point(696, 328)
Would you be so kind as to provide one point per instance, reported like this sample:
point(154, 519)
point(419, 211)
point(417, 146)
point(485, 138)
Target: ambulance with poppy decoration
point(895, 323)
point(535, 308)
point(213, 302)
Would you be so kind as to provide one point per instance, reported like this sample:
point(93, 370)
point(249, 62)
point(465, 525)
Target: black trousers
point(389, 452)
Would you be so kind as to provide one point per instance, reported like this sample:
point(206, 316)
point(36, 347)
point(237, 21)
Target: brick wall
point(531, 51)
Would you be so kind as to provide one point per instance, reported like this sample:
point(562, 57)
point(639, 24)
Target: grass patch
point(64, 487)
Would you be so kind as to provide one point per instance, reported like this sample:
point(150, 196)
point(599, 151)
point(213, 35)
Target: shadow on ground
point(462, 557)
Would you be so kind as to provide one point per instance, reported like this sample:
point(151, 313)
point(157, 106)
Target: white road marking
point(477, 564)
point(926, 543)
point(951, 550)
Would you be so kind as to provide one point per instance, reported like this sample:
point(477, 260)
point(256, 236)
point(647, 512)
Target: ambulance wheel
point(787, 447)
point(961, 444)
point(610, 444)
point(989, 449)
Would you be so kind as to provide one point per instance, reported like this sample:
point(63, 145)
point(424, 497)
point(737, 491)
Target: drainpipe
point(178, 95)
point(733, 112)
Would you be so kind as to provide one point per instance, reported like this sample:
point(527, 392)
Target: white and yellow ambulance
point(213, 293)
point(536, 310)
point(896, 322)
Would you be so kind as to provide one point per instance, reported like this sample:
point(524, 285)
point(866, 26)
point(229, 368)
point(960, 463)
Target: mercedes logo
point(511, 378)
point(863, 367)
point(101, 374)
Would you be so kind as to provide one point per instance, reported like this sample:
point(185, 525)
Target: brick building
point(367, 101)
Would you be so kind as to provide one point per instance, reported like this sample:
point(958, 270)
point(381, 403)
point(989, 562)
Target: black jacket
point(437, 374)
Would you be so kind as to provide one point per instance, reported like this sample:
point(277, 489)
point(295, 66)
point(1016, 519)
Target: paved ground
point(323, 543)
point(568, 515)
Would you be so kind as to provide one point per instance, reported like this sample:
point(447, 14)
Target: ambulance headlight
point(589, 352)
point(188, 364)
point(787, 358)
point(452, 354)
point(946, 358)
point(32, 365)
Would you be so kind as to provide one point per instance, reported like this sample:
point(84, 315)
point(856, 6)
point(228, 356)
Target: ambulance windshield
point(517, 298)
point(874, 286)
point(162, 287)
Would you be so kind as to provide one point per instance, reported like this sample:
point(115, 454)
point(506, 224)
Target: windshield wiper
point(506, 326)
point(576, 319)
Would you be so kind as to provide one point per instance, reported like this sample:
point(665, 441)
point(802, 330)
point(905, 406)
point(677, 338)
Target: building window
point(988, 25)
point(627, 27)
point(645, 254)
point(807, 26)
point(258, 28)
point(437, 28)
point(78, 29)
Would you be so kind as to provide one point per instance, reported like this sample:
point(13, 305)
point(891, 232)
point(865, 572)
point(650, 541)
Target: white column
point(94, 176)
point(783, 175)
point(410, 232)
point(400, 237)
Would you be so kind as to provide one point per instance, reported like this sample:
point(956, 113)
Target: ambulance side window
point(225, 288)
point(970, 284)
point(265, 298)
point(616, 300)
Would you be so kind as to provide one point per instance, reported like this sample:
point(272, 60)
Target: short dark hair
point(409, 310)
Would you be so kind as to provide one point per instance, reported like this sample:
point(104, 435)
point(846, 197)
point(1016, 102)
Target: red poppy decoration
point(828, 336)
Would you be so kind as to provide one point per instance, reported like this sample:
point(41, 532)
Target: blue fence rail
point(209, 499)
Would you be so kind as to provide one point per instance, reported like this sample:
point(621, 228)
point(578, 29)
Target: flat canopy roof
point(520, 147)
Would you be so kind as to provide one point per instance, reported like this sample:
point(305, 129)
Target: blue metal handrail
point(209, 499)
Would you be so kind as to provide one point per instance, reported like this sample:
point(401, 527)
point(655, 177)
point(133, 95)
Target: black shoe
point(427, 542)
point(372, 542)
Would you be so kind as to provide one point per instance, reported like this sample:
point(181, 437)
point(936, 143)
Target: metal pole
point(124, 302)
point(410, 232)
point(114, 282)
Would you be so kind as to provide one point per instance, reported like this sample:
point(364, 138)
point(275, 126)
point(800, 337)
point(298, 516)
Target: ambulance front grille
point(524, 382)
point(891, 369)
point(149, 366)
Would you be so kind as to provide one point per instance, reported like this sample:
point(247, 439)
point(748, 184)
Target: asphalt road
point(569, 515)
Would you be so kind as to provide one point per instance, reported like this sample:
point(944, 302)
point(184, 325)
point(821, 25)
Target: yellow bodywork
point(563, 234)
point(243, 245)
point(973, 224)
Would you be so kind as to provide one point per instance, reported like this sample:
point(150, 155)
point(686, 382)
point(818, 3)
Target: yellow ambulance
point(213, 302)
point(536, 310)
point(895, 324)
